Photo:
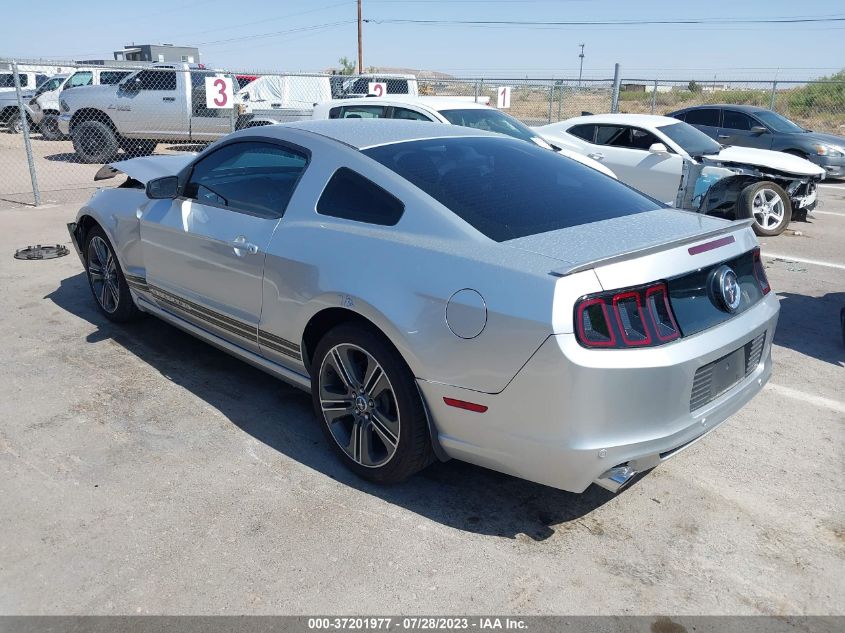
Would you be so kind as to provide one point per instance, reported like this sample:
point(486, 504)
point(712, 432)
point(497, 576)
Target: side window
point(409, 115)
point(334, 113)
point(396, 86)
point(350, 196)
point(586, 132)
point(81, 78)
point(156, 79)
point(611, 134)
point(640, 139)
point(111, 77)
point(737, 120)
point(362, 112)
point(254, 177)
point(39, 79)
point(681, 116)
point(24, 79)
point(705, 116)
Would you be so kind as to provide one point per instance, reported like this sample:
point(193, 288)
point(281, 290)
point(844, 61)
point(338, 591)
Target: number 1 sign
point(503, 94)
point(218, 93)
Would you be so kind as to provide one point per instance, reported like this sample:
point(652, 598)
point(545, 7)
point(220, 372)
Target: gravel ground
point(142, 471)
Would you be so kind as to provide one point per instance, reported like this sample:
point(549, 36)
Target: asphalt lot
point(142, 471)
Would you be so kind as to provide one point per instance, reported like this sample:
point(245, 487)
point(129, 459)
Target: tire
point(768, 205)
point(14, 124)
point(137, 147)
point(49, 127)
point(94, 142)
point(379, 431)
point(110, 291)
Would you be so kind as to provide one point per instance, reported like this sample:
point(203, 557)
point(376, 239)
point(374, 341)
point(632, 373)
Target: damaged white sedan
point(681, 166)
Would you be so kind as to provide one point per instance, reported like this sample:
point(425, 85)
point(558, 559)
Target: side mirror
point(658, 148)
point(164, 188)
point(757, 130)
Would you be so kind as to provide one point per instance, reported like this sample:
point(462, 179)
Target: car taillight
point(760, 273)
point(636, 317)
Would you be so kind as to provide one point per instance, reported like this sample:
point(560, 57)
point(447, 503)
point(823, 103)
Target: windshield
point(778, 123)
point(691, 140)
point(489, 120)
point(508, 189)
point(49, 85)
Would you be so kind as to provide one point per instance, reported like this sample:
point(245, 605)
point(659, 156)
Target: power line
point(784, 20)
point(256, 36)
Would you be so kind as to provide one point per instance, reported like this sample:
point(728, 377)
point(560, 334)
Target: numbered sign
point(378, 88)
point(218, 92)
point(503, 101)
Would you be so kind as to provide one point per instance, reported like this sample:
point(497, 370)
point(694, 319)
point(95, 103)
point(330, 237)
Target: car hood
point(820, 137)
point(578, 245)
point(778, 161)
point(146, 168)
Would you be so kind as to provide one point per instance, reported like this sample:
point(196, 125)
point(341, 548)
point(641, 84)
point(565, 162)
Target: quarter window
point(350, 196)
point(253, 177)
point(705, 116)
point(586, 132)
point(737, 121)
point(632, 138)
point(362, 112)
point(409, 115)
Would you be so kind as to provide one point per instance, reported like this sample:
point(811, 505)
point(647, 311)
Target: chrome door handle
point(168, 98)
point(241, 246)
point(723, 136)
point(596, 156)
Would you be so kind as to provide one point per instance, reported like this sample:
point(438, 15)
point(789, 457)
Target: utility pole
point(581, 69)
point(360, 45)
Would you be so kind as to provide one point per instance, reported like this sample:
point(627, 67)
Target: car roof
point(647, 120)
point(366, 133)
point(431, 103)
point(740, 108)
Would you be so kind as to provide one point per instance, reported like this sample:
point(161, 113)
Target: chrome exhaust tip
point(616, 478)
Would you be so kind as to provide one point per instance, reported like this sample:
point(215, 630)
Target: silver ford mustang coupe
point(444, 292)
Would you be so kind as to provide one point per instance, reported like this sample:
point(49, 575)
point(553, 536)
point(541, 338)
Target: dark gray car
point(752, 126)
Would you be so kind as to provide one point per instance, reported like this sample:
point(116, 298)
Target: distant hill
point(419, 74)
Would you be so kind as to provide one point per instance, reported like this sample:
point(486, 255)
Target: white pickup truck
point(43, 106)
point(160, 103)
point(164, 102)
point(9, 108)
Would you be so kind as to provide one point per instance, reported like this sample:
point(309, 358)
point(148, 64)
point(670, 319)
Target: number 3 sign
point(377, 88)
point(218, 92)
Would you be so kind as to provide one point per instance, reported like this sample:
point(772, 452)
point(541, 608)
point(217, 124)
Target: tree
point(693, 86)
point(347, 66)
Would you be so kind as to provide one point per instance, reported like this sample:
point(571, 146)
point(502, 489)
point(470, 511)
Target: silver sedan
point(444, 292)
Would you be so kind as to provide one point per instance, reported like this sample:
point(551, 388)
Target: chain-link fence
point(64, 120)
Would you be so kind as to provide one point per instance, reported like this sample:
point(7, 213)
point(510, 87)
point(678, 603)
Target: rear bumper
point(572, 415)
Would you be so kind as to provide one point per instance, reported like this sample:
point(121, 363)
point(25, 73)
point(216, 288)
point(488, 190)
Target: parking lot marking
point(826, 403)
point(801, 260)
point(828, 213)
point(832, 186)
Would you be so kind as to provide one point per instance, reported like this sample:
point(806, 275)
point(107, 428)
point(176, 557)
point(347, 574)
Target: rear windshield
point(509, 189)
point(489, 120)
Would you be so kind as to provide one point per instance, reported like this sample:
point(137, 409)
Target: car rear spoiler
point(733, 227)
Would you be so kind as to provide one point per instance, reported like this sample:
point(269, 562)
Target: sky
point(293, 35)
